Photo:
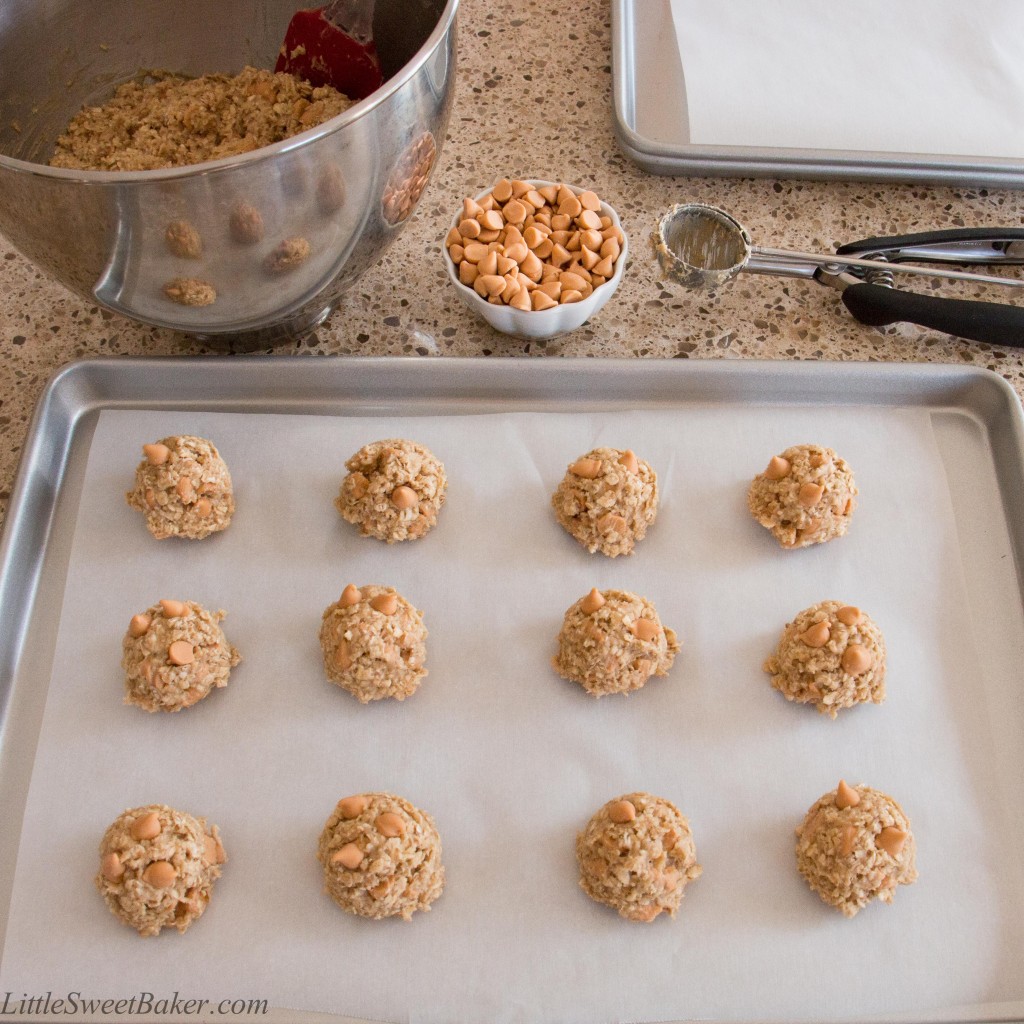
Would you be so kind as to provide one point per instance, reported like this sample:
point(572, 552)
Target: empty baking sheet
point(652, 123)
point(510, 759)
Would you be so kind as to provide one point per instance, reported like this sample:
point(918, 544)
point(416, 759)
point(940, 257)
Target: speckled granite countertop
point(533, 99)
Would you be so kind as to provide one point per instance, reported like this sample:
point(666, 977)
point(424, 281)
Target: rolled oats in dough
point(174, 654)
point(393, 491)
point(612, 641)
point(637, 855)
point(832, 655)
point(607, 500)
point(183, 488)
point(855, 845)
point(381, 857)
point(157, 868)
point(373, 643)
point(173, 121)
point(805, 496)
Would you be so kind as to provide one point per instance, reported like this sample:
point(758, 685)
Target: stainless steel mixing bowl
point(346, 187)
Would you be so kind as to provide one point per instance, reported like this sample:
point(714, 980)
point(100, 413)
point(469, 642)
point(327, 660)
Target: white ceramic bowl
point(540, 323)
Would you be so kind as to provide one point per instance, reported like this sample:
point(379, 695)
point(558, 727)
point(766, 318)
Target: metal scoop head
point(701, 246)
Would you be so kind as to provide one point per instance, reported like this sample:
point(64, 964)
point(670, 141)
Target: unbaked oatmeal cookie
point(157, 868)
point(183, 488)
point(854, 846)
point(381, 857)
point(175, 654)
point(394, 490)
point(637, 855)
point(607, 500)
point(805, 496)
point(373, 643)
point(832, 655)
point(612, 641)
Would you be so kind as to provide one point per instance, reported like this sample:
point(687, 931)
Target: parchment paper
point(901, 76)
point(510, 759)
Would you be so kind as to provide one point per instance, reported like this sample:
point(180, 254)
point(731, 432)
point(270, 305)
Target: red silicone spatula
point(333, 45)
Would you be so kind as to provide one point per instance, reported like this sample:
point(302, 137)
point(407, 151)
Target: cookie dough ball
point(157, 868)
point(373, 643)
point(393, 491)
point(832, 656)
point(612, 641)
point(805, 496)
point(606, 500)
point(174, 654)
point(381, 857)
point(855, 845)
point(183, 488)
point(637, 855)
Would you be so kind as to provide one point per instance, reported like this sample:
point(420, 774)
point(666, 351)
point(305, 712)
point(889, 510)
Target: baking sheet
point(799, 74)
point(510, 759)
point(665, 102)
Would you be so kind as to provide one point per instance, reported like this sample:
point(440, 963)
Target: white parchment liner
point(510, 759)
point(902, 76)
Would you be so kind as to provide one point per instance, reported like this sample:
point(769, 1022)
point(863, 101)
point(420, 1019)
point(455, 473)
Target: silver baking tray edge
point(37, 538)
point(652, 128)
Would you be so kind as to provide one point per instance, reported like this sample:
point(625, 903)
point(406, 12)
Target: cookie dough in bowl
point(805, 496)
point(393, 491)
point(637, 855)
point(832, 655)
point(183, 488)
point(373, 643)
point(174, 654)
point(157, 868)
point(612, 641)
point(381, 857)
point(607, 500)
point(855, 845)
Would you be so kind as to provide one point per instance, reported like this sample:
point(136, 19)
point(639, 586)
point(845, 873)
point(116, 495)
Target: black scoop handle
point(993, 322)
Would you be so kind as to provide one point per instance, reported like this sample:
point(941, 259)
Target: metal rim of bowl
point(354, 113)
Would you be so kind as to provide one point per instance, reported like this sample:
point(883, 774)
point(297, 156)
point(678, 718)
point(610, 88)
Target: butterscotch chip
point(828, 662)
point(177, 474)
point(849, 615)
point(892, 840)
point(190, 291)
point(374, 654)
point(376, 472)
point(351, 806)
point(805, 496)
point(622, 811)
point(161, 878)
point(851, 853)
point(639, 863)
point(613, 646)
point(179, 659)
point(349, 856)
point(607, 500)
point(379, 872)
point(846, 795)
